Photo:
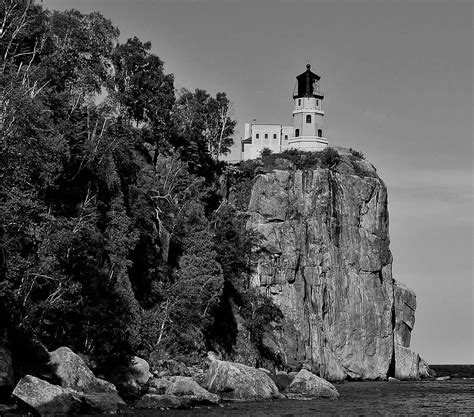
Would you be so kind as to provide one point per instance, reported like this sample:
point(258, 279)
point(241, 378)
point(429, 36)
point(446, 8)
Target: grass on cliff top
point(293, 159)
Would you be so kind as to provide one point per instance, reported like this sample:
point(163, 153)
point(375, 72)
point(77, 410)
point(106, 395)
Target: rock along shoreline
point(169, 384)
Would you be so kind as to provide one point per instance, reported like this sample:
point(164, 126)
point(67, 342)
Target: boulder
point(309, 385)
point(140, 370)
point(125, 382)
point(8, 409)
point(424, 369)
point(199, 375)
point(406, 363)
point(73, 373)
point(184, 387)
point(283, 379)
point(46, 398)
point(154, 401)
point(101, 402)
point(234, 381)
point(6, 369)
point(168, 367)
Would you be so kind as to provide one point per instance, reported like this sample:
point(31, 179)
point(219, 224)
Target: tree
point(195, 293)
point(265, 152)
point(142, 92)
point(64, 231)
point(107, 185)
point(76, 59)
point(204, 126)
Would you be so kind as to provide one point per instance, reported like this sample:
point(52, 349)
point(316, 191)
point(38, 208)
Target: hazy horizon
point(397, 78)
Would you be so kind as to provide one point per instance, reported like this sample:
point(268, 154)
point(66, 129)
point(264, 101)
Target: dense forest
point(118, 233)
point(115, 238)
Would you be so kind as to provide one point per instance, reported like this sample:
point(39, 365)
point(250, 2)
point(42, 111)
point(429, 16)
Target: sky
point(398, 83)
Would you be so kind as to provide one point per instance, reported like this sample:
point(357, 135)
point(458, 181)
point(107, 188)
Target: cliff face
point(327, 265)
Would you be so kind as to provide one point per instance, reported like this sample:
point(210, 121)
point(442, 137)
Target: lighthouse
point(308, 131)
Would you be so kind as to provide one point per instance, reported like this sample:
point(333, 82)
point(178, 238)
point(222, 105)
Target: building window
point(317, 102)
point(299, 102)
point(297, 133)
point(266, 135)
point(257, 136)
point(320, 133)
point(286, 137)
point(274, 136)
point(308, 118)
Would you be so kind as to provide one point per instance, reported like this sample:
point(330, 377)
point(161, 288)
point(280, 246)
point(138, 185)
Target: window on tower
point(308, 118)
point(320, 133)
point(274, 136)
point(257, 136)
point(317, 102)
point(286, 137)
point(297, 133)
point(299, 102)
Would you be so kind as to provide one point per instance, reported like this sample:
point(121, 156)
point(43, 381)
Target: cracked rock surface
point(327, 265)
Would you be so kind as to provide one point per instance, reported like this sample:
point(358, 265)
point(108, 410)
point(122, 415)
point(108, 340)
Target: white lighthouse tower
point(308, 133)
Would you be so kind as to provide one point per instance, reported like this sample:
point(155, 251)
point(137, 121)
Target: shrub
point(358, 154)
point(265, 152)
point(247, 168)
point(300, 160)
point(329, 158)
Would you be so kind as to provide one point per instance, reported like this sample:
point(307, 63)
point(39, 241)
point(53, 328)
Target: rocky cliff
point(326, 263)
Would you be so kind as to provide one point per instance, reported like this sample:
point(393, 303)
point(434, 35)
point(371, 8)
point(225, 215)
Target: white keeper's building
point(307, 131)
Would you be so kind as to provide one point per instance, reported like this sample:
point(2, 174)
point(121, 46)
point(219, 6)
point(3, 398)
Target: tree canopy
point(114, 237)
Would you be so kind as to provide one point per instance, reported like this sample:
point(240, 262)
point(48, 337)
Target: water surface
point(377, 398)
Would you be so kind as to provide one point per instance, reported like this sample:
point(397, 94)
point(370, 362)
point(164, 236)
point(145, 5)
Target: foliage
point(265, 152)
point(357, 154)
point(295, 159)
point(113, 238)
point(204, 129)
point(258, 310)
point(329, 158)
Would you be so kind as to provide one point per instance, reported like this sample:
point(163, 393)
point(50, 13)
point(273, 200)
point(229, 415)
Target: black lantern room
point(307, 84)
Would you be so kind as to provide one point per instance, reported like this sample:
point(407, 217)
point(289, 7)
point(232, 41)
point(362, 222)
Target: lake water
point(374, 398)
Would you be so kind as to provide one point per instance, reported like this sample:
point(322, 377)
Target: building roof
point(310, 73)
point(305, 84)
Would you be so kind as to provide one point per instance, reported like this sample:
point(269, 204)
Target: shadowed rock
point(102, 402)
point(75, 374)
point(97, 395)
point(167, 367)
point(6, 369)
point(424, 370)
point(154, 401)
